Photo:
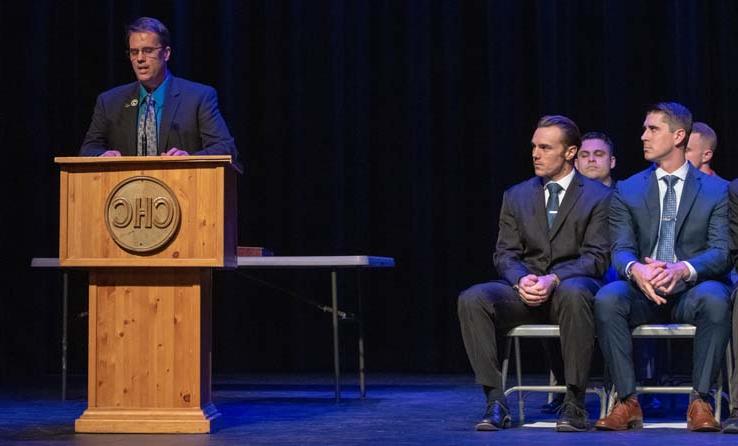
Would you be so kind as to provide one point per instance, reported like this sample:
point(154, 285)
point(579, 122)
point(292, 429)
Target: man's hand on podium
point(175, 152)
point(111, 153)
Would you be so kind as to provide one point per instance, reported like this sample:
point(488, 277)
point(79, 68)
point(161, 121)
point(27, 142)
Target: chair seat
point(535, 331)
point(664, 331)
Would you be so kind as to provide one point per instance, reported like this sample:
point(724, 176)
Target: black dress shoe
point(730, 425)
point(573, 418)
point(554, 405)
point(496, 417)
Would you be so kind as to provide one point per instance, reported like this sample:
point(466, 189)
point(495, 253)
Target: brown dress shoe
point(626, 414)
point(700, 417)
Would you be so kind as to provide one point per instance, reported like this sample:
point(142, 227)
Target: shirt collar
point(564, 182)
point(680, 173)
point(158, 92)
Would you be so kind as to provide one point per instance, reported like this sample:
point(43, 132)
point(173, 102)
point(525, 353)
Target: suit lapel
point(567, 204)
point(651, 185)
point(690, 190)
point(130, 120)
point(539, 206)
point(167, 116)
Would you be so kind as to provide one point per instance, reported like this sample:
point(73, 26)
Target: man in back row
point(159, 114)
point(701, 148)
point(596, 157)
point(551, 253)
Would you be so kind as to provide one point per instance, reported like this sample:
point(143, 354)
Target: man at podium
point(159, 114)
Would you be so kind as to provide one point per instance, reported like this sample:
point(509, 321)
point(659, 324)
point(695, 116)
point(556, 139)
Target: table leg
point(360, 322)
point(65, 313)
point(336, 359)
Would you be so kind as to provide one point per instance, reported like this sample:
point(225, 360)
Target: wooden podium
point(150, 230)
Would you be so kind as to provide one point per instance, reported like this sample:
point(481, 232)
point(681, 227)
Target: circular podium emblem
point(142, 214)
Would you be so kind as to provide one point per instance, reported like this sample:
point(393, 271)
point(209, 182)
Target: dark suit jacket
point(190, 121)
point(576, 245)
point(733, 218)
point(701, 226)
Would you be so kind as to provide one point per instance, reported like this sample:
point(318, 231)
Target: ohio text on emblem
point(142, 214)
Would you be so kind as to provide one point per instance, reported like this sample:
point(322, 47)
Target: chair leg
point(729, 372)
point(603, 401)
point(506, 362)
point(719, 396)
point(521, 409)
point(611, 399)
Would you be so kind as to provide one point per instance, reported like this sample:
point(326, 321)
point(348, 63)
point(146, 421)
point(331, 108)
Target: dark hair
point(677, 116)
point(707, 132)
point(569, 130)
point(601, 136)
point(148, 25)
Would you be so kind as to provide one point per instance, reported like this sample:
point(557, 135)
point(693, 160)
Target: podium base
point(147, 421)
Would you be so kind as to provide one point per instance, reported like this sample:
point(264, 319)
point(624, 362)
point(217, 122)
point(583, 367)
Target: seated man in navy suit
point(730, 425)
point(159, 114)
point(669, 227)
point(552, 250)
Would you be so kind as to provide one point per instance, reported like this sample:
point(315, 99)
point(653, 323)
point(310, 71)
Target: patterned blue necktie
point(665, 249)
point(147, 138)
point(552, 205)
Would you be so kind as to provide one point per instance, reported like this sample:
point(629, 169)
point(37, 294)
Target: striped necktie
point(665, 249)
point(147, 138)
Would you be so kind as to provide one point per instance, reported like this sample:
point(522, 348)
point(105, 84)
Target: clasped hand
point(657, 278)
point(535, 290)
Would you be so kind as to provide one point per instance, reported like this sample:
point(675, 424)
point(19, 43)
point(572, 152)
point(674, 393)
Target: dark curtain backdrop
point(366, 126)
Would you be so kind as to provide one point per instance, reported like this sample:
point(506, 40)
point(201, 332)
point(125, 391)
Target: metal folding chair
point(537, 331)
point(676, 331)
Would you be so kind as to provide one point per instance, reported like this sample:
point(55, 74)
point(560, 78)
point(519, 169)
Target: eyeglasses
point(147, 51)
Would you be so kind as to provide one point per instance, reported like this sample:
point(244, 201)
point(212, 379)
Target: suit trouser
point(552, 347)
point(487, 308)
point(620, 306)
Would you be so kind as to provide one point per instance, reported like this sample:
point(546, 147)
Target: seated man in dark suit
point(552, 250)
point(730, 425)
point(159, 114)
point(595, 160)
point(669, 228)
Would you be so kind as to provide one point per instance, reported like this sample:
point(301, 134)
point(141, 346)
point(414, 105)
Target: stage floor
point(301, 409)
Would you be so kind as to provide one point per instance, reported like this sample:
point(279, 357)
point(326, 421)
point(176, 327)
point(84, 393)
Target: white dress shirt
point(680, 173)
point(564, 183)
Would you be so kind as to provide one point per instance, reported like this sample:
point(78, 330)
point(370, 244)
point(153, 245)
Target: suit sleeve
point(594, 252)
point(216, 139)
point(733, 220)
point(714, 261)
point(96, 139)
point(622, 233)
point(509, 245)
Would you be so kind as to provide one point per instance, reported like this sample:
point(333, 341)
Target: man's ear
point(707, 156)
point(571, 153)
point(680, 136)
point(612, 162)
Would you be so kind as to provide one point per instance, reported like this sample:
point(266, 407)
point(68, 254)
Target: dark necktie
point(665, 249)
point(147, 138)
point(552, 205)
